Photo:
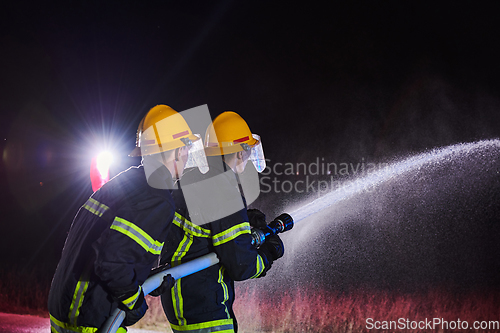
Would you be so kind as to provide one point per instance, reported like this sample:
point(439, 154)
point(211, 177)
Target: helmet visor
point(257, 155)
point(197, 156)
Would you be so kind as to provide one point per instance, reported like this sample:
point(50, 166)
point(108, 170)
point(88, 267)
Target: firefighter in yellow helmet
point(230, 136)
point(216, 220)
point(118, 234)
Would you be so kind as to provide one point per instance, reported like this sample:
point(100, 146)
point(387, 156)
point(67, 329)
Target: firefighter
point(118, 234)
point(215, 219)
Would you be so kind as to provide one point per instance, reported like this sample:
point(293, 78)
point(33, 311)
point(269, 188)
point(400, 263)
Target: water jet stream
point(393, 170)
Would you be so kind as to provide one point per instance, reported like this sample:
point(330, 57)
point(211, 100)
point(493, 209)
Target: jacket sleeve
point(127, 250)
point(232, 242)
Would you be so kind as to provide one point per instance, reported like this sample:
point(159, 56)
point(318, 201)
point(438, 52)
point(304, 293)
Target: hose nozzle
point(282, 223)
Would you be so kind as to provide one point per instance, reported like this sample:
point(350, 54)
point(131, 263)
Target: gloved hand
point(135, 311)
point(133, 315)
point(275, 246)
point(138, 310)
point(166, 285)
point(256, 218)
point(131, 300)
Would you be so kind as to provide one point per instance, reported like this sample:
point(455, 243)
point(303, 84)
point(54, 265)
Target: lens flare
point(99, 169)
point(103, 162)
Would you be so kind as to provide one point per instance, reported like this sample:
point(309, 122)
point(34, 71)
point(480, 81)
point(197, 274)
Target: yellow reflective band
point(130, 302)
point(231, 233)
point(57, 326)
point(178, 302)
point(260, 267)
point(190, 227)
point(95, 207)
point(137, 234)
point(220, 326)
point(76, 303)
point(182, 250)
point(224, 288)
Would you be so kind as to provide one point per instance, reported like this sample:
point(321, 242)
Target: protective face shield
point(197, 157)
point(257, 155)
point(210, 199)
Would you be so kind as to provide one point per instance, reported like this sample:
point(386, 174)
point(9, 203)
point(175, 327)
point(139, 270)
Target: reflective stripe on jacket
point(203, 302)
point(114, 241)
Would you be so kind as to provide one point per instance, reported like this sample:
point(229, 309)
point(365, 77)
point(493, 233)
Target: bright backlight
point(103, 161)
point(99, 169)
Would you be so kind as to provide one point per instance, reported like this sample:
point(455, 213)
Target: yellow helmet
point(229, 133)
point(162, 129)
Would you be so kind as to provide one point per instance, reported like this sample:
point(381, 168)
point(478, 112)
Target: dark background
point(344, 81)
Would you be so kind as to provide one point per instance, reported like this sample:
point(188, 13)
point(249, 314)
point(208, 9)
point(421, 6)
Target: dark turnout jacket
point(114, 241)
point(202, 302)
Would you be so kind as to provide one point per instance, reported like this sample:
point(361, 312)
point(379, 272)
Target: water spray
point(285, 222)
point(364, 184)
point(282, 223)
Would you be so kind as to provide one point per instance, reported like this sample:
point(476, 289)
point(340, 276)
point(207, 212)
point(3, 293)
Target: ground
point(13, 323)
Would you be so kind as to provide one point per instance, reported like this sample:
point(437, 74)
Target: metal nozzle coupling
point(282, 223)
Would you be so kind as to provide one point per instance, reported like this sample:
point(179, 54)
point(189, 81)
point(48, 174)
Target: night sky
point(351, 82)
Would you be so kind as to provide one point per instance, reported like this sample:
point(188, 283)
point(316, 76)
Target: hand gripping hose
point(113, 323)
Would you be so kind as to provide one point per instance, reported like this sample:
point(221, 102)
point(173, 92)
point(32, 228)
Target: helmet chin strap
point(176, 160)
point(171, 164)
